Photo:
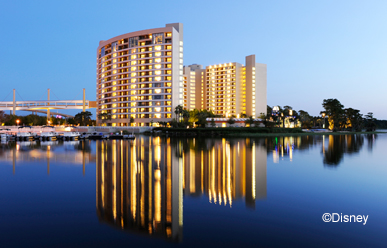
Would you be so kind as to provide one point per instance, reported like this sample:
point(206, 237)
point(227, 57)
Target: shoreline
point(239, 132)
point(300, 134)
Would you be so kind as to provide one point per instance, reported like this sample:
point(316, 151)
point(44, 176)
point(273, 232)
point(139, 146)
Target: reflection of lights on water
point(17, 147)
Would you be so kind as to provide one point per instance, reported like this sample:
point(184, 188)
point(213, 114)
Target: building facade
point(229, 89)
point(140, 76)
point(192, 79)
point(141, 80)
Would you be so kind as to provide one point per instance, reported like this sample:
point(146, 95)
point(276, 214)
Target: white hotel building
point(141, 75)
point(227, 89)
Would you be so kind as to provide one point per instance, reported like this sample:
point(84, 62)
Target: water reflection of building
point(139, 186)
point(226, 171)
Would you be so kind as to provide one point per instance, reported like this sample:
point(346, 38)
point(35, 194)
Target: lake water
point(215, 192)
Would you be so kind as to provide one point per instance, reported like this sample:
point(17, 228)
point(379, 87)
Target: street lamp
point(323, 116)
point(17, 122)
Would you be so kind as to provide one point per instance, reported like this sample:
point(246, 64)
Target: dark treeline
point(381, 124)
point(82, 118)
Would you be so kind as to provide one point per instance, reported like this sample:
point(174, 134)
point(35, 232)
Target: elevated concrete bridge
point(38, 106)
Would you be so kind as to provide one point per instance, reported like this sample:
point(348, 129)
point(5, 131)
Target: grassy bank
point(243, 132)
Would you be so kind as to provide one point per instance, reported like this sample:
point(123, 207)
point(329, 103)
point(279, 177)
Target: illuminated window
point(158, 54)
point(157, 48)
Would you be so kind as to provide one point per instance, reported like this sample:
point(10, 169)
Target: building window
point(157, 38)
point(114, 46)
point(133, 41)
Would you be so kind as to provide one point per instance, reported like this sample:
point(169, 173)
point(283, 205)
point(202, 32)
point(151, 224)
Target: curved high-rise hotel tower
point(140, 75)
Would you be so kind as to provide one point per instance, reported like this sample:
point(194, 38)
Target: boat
point(105, 136)
point(129, 136)
point(6, 136)
point(71, 135)
point(25, 135)
point(48, 135)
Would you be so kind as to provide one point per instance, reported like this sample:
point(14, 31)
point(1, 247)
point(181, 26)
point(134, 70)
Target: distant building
point(192, 96)
point(227, 89)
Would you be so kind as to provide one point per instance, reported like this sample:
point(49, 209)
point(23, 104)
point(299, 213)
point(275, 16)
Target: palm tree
point(178, 111)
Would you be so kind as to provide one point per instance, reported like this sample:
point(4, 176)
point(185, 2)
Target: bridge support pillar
point(14, 103)
point(48, 110)
point(84, 100)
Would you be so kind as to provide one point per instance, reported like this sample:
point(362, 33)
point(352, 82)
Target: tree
point(335, 112)
point(269, 110)
point(163, 123)
point(354, 119)
point(185, 114)
point(174, 123)
point(305, 119)
point(231, 121)
point(213, 124)
point(249, 121)
point(178, 112)
point(201, 119)
point(83, 118)
point(370, 122)
point(2, 117)
point(71, 121)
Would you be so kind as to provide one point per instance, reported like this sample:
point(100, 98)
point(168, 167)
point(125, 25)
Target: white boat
point(25, 135)
point(129, 136)
point(49, 135)
point(5, 136)
point(71, 135)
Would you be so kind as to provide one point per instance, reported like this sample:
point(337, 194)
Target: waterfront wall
point(82, 129)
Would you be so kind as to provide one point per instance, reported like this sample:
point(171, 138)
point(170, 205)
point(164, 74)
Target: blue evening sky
point(314, 50)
